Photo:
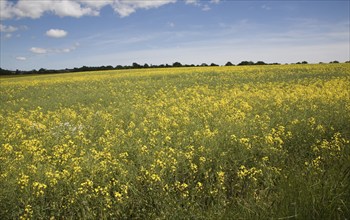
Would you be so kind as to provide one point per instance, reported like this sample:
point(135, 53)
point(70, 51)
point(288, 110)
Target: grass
point(257, 142)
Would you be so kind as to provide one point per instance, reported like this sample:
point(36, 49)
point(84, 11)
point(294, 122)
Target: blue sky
point(65, 34)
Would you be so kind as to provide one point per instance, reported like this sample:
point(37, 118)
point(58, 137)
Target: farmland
point(247, 142)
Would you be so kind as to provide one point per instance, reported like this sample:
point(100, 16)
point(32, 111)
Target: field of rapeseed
point(261, 142)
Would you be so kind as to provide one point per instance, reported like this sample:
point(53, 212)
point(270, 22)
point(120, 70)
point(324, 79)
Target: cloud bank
point(78, 8)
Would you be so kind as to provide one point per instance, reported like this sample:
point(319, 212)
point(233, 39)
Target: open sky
point(61, 34)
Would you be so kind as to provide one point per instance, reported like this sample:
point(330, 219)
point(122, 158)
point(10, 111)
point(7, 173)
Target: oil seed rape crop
point(183, 143)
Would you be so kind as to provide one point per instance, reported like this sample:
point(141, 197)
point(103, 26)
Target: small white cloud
point(206, 8)
point(7, 29)
point(8, 35)
point(171, 24)
point(38, 50)
point(56, 33)
point(200, 4)
point(21, 58)
point(66, 50)
point(192, 2)
point(266, 7)
point(70, 49)
point(125, 8)
point(10, 29)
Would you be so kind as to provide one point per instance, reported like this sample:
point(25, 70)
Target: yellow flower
point(118, 196)
point(199, 186)
point(23, 181)
point(221, 176)
point(7, 147)
point(155, 177)
point(28, 213)
point(194, 167)
point(266, 158)
point(39, 188)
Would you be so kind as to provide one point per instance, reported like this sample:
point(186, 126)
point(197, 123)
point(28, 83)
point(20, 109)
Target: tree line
point(132, 66)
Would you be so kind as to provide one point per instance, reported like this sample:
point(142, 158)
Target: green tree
point(260, 63)
point(244, 63)
point(177, 64)
point(136, 65)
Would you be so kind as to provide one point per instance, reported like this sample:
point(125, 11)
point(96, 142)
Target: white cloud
point(98, 4)
point(35, 9)
point(206, 8)
point(38, 50)
point(171, 24)
point(266, 7)
point(78, 8)
point(73, 8)
point(7, 29)
point(198, 3)
point(6, 10)
point(66, 50)
point(126, 7)
point(32, 9)
point(56, 33)
point(193, 2)
point(8, 35)
point(21, 58)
